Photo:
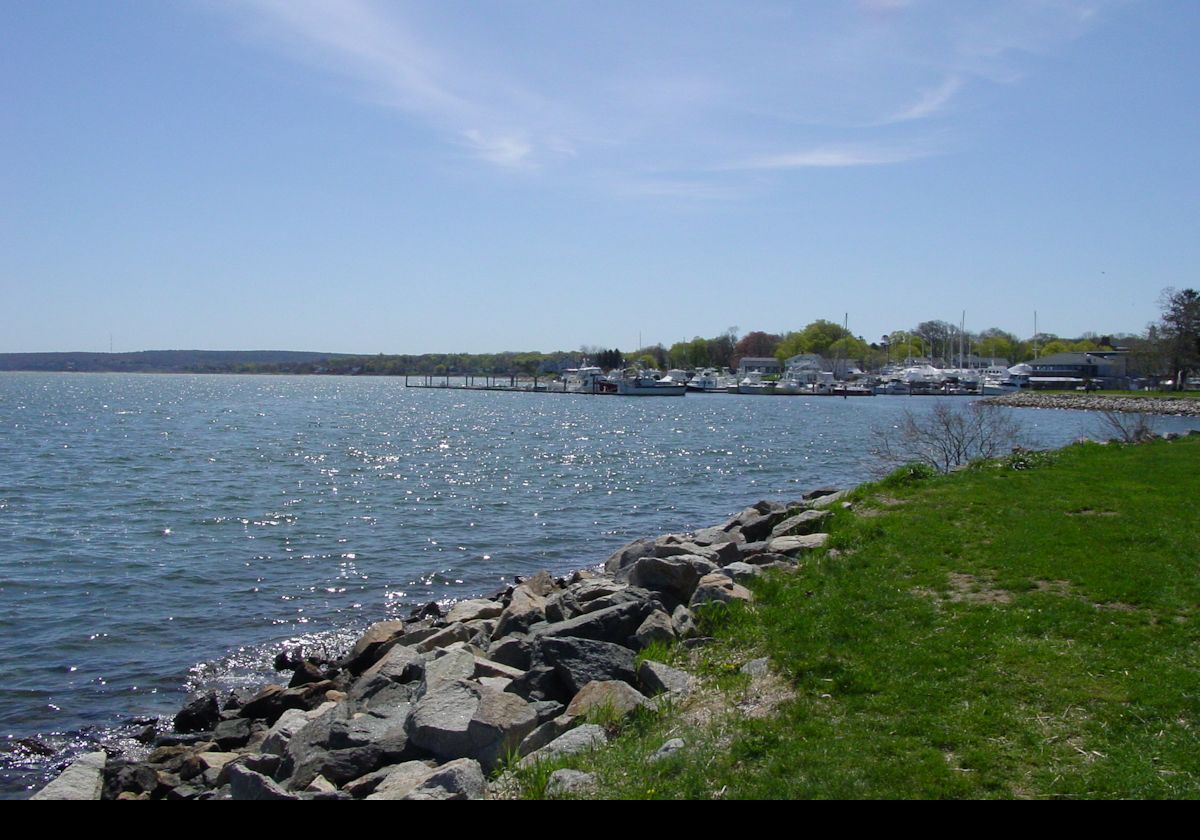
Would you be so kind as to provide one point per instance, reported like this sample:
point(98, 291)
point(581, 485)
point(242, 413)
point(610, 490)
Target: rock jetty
point(1182, 407)
point(429, 707)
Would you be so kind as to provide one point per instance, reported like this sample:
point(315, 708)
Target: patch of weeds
point(1019, 459)
point(606, 716)
point(656, 651)
point(907, 474)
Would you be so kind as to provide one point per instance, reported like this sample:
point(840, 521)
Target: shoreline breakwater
point(430, 706)
point(1167, 406)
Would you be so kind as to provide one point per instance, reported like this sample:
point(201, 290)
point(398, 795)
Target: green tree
point(1180, 333)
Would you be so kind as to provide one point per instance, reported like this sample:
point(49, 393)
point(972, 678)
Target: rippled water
point(164, 532)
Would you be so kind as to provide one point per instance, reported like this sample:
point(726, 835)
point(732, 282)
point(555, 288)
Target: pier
point(490, 382)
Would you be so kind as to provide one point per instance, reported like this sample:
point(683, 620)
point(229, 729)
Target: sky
point(453, 176)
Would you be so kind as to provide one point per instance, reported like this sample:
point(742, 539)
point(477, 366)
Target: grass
point(1022, 630)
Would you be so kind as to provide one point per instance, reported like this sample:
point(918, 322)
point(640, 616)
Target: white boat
point(587, 380)
point(753, 385)
point(642, 385)
point(708, 381)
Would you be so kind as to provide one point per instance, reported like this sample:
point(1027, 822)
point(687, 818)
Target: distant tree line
point(1169, 351)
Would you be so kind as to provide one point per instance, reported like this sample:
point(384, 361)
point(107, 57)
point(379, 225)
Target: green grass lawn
point(997, 632)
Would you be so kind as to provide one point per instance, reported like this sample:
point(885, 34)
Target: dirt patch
point(761, 697)
point(1091, 512)
point(1053, 587)
point(974, 590)
point(968, 589)
point(1115, 606)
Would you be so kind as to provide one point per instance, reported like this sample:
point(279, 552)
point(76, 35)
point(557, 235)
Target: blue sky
point(371, 177)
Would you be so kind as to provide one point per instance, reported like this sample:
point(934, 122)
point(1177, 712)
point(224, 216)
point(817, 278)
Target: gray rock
point(400, 664)
point(657, 627)
point(495, 683)
point(805, 522)
point(541, 583)
point(667, 750)
point(566, 781)
point(758, 527)
point(465, 720)
point(614, 697)
point(455, 780)
point(456, 665)
point(282, 730)
point(364, 786)
point(580, 739)
point(546, 733)
point(829, 499)
point(767, 559)
point(440, 720)
point(798, 545)
point(513, 651)
point(684, 622)
point(367, 728)
point(715, 536)
point(392, 782)
point(524, 610)
point(231, 734)
point(548, 709)
point(657, 678)
point(685, 547)
point(337, 765)
point(540, 684)
point(82, 779)
point(474, 610)
point(445, 637)
point(742, 572)
point(380, 693)
point(674, 578)
point(268, 765)
point(200, 714)
point(372, 645)
point(628, 595)
point(615, 624)
point(488, 668)
point(581, 597)
point(716, 588)
point(627, 555)
point(245, 783)
point(578, 662)
point(321, 785)
point(820, 492)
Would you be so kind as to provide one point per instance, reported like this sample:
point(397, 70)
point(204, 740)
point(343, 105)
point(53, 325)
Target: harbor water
point(160, 534)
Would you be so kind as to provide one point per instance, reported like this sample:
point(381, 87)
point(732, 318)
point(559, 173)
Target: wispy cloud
point(677, 88)
point(510, 151)
point(828, 157)
point(931, 101)
point(398, 67)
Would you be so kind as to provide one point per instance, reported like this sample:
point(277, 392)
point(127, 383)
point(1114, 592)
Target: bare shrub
point(1127, 426)
point(948, 436)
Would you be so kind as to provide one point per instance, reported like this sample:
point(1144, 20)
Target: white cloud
point(673, 87)
point(826, 157)
point(508, 151)
point(931, 101)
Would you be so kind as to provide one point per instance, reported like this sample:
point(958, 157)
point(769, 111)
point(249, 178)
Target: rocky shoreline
point(1184, 407)
point(431, 706)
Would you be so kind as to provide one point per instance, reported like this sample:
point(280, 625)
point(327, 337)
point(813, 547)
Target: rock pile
point(1094, 402)
point(428, 707)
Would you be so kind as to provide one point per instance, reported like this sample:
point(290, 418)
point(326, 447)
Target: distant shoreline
point(1170, 406)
